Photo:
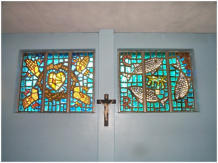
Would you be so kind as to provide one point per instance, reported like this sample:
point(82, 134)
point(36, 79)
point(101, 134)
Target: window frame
point(193, 74)
point(45, 53)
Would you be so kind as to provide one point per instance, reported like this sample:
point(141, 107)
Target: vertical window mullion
point(69, 80)
point(44, 81)
point(169, 82)
point(144, 80)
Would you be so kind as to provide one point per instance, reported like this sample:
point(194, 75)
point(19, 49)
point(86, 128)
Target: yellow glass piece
point(158, 80)
point(76, 89)
point(33, 67)
point(56, 80)
point(86, 72)
point(31, 98)
point(81, 96)
point(81, 64)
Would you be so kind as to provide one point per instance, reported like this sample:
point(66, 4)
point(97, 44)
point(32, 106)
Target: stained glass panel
point(31, 83)
point(82, 82)
point(155, 81)
point(68, 86)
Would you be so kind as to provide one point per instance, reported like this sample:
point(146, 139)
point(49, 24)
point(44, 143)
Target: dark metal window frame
point(191, 53)
point(45, 53)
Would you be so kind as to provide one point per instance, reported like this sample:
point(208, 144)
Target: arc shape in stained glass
point(69, 82)
point(156, 81)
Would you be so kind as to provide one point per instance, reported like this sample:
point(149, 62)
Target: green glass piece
point(173, 60)
point(134, 61)
point(167, 107)
point(140, 78)
point(173, 84)
point(173, 79)
point(134, 78)
point(160, 96)
point(170, 61)
point(172, 73)
point(135, 109)
point(160, 72)
point(135, 104)
point(141, 109)
point(153, 55)
point(183, 105)
point(156, 104)
point(147, 56)
point(148, 104)
point(190, 99)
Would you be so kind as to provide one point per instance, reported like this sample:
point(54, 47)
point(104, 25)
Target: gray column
point(106, 85)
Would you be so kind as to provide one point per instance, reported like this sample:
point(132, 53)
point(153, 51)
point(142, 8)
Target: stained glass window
point(156, 81)
point(57, 82)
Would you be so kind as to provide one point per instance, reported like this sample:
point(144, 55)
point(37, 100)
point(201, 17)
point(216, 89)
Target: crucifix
point(106, 102)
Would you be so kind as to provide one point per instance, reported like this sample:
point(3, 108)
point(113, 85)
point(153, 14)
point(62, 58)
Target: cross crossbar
point(106, 102)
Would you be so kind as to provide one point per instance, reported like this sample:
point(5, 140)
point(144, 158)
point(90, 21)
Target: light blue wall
point(172, 136)
point(138, 137)
point(44, 136)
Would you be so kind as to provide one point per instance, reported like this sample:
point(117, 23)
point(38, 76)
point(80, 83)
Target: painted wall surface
point(172, 136)
point(131, 136)
point(44, 136)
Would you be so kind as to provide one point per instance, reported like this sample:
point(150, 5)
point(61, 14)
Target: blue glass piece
point(63, 100)
point(90, 80)
point(49, 61)
point(172, 73)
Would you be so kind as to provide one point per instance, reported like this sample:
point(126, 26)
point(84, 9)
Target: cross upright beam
point(106, 102)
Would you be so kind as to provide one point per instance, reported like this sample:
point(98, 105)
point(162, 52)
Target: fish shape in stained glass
point(162, 84)
point(150, 95)
point(151, 65)
point(182, 86)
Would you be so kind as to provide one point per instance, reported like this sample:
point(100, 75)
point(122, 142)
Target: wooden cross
point(106, 102)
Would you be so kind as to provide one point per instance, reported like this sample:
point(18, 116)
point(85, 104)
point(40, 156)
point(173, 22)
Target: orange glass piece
point(30, 99)
point(86, 72)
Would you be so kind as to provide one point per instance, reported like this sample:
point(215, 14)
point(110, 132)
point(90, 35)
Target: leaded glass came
point(156, 81)
point(68, 86)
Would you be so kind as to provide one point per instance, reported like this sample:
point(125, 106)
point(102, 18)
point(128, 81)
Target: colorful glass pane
point(56, 82)
point(155, 81)
point(31, 83)
point(82, 82)
point(68, 86)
